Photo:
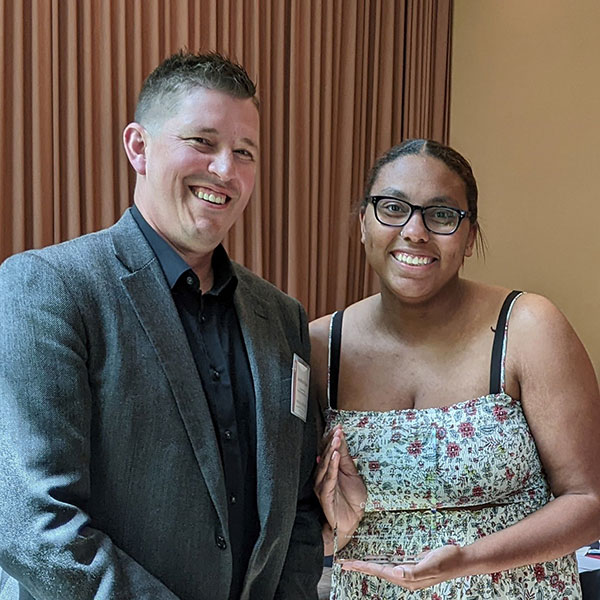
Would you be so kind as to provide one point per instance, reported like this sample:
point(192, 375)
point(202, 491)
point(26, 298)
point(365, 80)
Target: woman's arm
point(340, 490)
point(559, 395)
point(338, 485)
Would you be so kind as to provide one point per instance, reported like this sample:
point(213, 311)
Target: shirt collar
point(174, 267)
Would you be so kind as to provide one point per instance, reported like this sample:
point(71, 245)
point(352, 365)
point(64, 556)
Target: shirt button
point(216, 375)
point(228, 435)
point(202, 319)
point(221, 543)
point(189, 280)
point(232, 499)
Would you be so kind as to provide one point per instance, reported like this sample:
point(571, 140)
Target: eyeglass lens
point(438, 219)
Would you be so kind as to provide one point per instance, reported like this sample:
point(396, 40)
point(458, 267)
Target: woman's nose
point(414, 229)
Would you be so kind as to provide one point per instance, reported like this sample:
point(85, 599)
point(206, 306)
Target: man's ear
point(134, 141)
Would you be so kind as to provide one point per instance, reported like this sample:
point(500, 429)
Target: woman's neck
point(436, 317)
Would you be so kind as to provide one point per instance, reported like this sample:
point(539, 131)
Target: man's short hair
point(184, 71)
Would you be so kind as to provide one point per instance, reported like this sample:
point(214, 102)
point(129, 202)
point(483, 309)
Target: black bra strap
point(335, 342)
point(496, 385)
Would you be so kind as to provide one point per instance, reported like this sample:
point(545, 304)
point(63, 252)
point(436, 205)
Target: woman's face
point(412, 262)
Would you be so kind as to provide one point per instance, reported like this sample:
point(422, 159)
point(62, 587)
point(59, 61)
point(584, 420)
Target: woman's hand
point(339, 487)
point(434, 567)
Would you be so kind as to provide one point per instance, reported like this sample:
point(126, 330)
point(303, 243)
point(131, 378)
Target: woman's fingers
point(327, 437)
point(327, 480)
point(323, 469)
point(437, 565)
point(327, 488)
point(400, 575)
point(347, 465)
point(332, 444)
point(328, 483)
point(393, 573)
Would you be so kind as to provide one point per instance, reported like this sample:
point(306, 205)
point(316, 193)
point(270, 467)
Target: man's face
point(199, 169)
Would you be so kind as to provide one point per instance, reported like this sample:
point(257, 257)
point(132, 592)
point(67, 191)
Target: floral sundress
point(420, 467)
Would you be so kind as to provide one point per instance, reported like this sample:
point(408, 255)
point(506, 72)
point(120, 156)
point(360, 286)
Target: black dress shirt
point(213, 332)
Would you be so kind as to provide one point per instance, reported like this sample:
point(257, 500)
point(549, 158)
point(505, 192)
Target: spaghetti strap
point(499, 347)
point(333, 363)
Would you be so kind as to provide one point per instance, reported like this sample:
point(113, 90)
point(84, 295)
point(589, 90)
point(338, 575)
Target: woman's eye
point(392, 207)
point(444, 214)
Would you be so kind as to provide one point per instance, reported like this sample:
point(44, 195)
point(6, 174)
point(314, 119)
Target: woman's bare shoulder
point(546, 348)
point(536, 319)
point(319, 329)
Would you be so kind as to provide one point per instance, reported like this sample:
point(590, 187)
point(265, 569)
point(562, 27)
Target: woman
point(460, 460)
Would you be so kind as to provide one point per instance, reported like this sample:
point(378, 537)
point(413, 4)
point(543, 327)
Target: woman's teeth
point(409, 259)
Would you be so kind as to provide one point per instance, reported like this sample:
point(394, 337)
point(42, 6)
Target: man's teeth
point(210, 197)
point(409, 259)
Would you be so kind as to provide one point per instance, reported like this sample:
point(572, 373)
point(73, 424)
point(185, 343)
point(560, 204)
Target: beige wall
point(526, 112)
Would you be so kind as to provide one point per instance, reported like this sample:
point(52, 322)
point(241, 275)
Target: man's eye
point(244, 153)
point(203, 141)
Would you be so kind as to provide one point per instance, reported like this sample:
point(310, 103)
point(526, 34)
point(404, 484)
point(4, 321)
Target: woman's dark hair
point(451, 158)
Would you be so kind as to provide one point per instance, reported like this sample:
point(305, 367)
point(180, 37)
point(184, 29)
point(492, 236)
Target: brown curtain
point(339, 82)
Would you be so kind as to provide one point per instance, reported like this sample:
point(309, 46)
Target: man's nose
point(222, 165)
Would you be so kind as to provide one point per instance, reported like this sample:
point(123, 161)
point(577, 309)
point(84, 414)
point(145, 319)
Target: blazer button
point(221, 543)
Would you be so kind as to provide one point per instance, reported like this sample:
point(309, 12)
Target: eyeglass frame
point(374, 200)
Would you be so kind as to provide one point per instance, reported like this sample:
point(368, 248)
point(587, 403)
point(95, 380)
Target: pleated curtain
point(339, 81)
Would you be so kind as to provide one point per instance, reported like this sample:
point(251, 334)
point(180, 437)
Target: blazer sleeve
point(304, 560)
point(46, 541)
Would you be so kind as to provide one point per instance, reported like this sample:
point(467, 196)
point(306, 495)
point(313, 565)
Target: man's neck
point(199, 262)
point(202, 266)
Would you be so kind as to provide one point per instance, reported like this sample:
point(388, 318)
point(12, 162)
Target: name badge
point(300, 386)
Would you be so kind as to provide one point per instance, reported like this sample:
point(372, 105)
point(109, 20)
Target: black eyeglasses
point(394, 212)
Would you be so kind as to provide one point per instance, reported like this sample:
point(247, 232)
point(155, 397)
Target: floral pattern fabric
point(422, 468)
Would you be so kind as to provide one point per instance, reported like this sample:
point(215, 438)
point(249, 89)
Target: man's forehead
point(201, 107)
point(218, 113)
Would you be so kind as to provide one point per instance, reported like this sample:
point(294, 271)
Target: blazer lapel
point(253, 313)
point(151, 298)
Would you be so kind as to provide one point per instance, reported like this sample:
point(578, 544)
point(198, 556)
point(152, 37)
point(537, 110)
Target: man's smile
point(209, 196)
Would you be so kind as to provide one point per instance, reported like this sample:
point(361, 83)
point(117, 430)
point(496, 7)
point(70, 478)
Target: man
point(147, 445)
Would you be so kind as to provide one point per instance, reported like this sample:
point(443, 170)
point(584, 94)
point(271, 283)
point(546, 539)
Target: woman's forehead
point(422, 172)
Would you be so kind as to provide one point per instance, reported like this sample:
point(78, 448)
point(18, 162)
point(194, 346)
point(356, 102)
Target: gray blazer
point(111, 484)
